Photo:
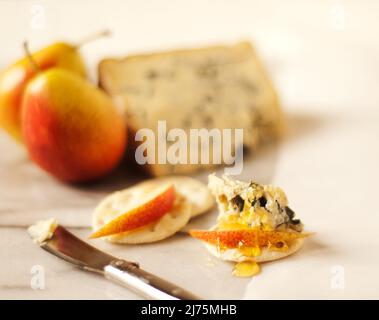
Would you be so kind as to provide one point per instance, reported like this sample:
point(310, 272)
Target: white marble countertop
point(324, 61)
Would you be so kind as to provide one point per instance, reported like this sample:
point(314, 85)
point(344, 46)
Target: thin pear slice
point(159, 202)
point(246, 238)
point(194, 191)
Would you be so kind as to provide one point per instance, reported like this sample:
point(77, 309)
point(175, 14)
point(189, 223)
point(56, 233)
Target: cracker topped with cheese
point(255, 224)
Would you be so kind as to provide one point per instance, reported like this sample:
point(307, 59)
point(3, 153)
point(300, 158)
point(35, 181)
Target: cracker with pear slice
point(193, 199)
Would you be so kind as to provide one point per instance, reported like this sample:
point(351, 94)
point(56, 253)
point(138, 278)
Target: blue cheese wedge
point(222, 87)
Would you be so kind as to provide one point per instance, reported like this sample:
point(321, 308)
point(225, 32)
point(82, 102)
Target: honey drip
point(246, 269)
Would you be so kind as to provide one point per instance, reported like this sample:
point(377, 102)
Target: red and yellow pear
point(70, 127)
point(14, 79)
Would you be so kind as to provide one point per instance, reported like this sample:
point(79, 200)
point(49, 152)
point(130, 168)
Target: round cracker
point(122, 201)
point(266, 255)
point(194, 191)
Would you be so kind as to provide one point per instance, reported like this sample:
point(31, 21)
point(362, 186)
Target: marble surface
point(323, 59)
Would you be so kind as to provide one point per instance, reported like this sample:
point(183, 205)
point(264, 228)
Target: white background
point(324, 60)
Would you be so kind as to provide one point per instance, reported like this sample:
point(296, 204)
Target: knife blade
point(70, 248)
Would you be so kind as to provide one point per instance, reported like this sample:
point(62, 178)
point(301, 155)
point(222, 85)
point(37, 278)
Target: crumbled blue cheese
point(252, 204)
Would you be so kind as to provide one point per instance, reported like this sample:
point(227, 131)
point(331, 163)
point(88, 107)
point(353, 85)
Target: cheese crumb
point(43, 230)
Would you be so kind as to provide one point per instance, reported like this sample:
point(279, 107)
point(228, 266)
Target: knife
point(66, 246)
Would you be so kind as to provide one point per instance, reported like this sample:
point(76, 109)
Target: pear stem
point(33, 63)
point(93, 37)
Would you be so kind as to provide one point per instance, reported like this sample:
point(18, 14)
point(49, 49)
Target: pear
point(70, 127)
point(14, 79)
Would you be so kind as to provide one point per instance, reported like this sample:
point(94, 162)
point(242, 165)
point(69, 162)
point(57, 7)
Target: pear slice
point(266, 253)
point(246, 238)
point(117, 203)
point(140, 212)
point(194, 191)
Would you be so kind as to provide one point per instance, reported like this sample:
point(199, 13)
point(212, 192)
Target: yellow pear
point(14, 79)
